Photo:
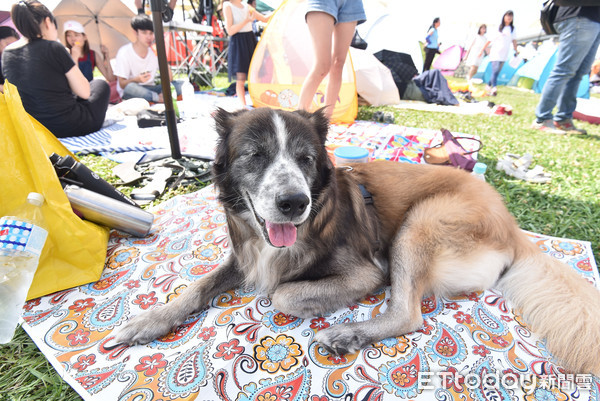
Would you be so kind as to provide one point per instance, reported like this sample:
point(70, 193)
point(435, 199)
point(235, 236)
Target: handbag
point(358, 42)
point(75, 250)
point(547, 17)
point(150, 118)
point(451, 152)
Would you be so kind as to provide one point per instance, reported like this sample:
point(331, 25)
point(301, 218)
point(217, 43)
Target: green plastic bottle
point(174, 97)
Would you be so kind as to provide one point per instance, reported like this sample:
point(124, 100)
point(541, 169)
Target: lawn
point(568, 206)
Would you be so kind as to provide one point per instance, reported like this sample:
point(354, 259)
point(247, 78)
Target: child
point(500, 49)
point(432, 47)
point(242, 41)
point(331, 28)
point(79, 47)
point(476, 52)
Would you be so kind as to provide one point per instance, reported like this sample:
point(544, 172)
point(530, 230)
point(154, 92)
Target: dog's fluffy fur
point(302, 232)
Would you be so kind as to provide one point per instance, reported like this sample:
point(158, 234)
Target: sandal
point(518, 167)
point(515, 160)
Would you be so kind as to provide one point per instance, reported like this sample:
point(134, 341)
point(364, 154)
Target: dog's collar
point(366, 194)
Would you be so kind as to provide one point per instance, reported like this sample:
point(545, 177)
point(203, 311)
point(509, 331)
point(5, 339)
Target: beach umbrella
point(106, 22)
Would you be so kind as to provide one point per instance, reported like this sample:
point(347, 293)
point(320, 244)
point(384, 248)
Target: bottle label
point(21, 236)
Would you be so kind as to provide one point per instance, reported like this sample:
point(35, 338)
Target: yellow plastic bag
point(75, 250)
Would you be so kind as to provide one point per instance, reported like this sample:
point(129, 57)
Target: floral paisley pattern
point(279, 353)
point(241, 348)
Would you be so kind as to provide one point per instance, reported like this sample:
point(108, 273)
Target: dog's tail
point(558, 304)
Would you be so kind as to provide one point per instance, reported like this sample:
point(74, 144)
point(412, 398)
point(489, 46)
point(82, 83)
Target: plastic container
point(23, 234)
point(174, 98)
point(350, 154)
point(479, 170)
point(189, 99)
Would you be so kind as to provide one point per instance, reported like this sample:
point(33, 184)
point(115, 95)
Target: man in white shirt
point(136, 65)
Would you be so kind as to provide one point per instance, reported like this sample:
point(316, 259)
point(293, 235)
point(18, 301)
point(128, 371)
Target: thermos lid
point(351, 152)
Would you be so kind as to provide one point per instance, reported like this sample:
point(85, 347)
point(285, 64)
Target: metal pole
point(157, 7)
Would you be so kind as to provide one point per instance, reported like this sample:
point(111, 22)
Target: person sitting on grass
point(7, 36)
point(136, 65)
point(52, 88)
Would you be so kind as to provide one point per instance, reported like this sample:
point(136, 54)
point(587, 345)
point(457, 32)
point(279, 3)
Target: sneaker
point(547, 126)
point(568, 126)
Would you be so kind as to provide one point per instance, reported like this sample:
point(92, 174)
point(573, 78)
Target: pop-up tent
point(447, 62)
point(506, 73)
point(538, 69)
point(283, 59)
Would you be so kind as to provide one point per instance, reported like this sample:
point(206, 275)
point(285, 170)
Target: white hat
point(73, 26)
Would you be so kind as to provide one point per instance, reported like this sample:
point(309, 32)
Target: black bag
point(547, 17)
point(150, 118)
point(358, 42)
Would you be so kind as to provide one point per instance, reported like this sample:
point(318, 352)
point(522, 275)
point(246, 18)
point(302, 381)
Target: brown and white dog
point(302, 232)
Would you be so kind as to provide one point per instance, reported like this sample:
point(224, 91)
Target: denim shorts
point(340, 10)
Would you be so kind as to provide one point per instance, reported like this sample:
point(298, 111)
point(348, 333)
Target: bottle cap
point(479, 168)
point(35, 199)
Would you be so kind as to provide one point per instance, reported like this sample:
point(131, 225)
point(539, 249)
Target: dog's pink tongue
point(281, 234)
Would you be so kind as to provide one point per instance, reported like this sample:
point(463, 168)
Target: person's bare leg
point(342, 37)
point(472, 72)
point(321, 27)
point(240, 89)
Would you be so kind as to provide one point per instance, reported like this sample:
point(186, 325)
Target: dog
point(317, 238)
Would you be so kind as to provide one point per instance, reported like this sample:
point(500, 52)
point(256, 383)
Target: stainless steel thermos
point(109, 212)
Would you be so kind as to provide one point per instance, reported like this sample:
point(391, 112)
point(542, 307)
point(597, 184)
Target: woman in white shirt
point(499, 51)
point(476, 52)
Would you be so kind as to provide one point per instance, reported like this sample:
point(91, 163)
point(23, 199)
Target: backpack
point(547, 17)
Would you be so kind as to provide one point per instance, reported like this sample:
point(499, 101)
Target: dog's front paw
point(341, 339)
point(143, 329)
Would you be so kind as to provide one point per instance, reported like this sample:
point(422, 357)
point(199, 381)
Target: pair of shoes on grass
point(518, 167)
point(491, 91)
point(384, 117)
point(558, 127)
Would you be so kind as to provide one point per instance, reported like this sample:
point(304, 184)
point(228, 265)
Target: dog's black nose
point(292, 205)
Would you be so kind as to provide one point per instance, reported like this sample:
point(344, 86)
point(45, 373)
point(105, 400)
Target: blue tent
point(484, 71)
point(539, 68)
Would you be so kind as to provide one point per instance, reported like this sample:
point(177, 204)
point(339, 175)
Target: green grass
point(568, 206)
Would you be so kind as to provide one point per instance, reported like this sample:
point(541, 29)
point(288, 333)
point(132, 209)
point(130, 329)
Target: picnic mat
point(125, 141)
point(243, 349)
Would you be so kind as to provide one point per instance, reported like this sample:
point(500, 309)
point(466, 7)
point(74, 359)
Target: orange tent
point(282, 61)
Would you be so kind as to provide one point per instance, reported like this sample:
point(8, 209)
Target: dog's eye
point(255, 154)
point(307, 159)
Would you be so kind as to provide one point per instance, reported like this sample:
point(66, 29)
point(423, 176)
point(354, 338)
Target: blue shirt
point(433, 39)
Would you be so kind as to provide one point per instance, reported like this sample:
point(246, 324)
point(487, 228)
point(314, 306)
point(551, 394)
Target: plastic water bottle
point(189, 96)
point(174, 98)
point(22, 236)
point(479, 170)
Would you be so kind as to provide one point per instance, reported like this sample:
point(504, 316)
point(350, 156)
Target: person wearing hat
point(51, 86)
point(79, 47)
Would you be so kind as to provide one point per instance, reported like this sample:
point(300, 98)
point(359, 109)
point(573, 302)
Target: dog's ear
point(319, 120)
point(224, 120)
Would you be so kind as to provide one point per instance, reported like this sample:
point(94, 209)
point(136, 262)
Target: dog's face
point(270, 167)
